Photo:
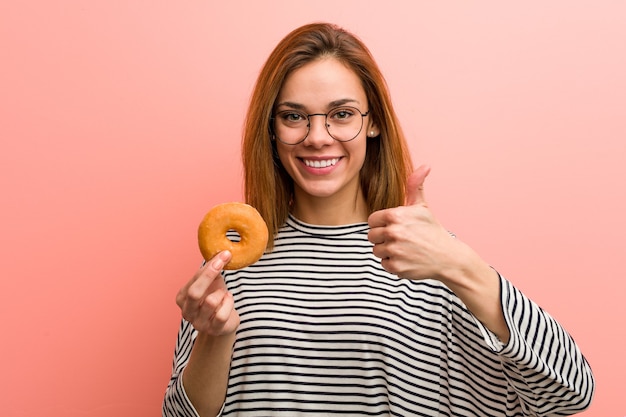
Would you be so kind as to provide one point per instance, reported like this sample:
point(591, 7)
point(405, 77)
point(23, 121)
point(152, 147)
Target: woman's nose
point(318, 132)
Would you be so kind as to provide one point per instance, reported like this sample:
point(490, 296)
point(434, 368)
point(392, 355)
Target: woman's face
point(320, 166)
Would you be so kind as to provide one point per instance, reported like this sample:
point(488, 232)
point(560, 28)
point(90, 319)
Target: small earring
point(372, 133)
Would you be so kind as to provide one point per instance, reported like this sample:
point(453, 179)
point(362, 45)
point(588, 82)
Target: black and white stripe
point(325, 330)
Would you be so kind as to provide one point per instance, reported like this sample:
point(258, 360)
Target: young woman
point(363, 304)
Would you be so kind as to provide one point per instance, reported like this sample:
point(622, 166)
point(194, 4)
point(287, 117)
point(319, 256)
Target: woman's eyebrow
point(291, 104)
point(332, 104)
point(342, 102)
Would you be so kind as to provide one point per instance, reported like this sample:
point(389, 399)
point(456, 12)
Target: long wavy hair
point(267, 186)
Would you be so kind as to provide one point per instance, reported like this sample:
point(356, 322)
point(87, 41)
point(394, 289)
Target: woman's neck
point(330, 211)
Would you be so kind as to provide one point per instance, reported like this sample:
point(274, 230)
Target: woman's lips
point(320, 163)
point(320, 166)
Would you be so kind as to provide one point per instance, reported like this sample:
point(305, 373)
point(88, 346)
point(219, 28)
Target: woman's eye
point(292, 117)
point(342, 114)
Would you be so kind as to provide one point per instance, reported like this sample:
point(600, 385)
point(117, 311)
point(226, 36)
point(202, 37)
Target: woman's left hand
point(410, 241)
point(413, 245)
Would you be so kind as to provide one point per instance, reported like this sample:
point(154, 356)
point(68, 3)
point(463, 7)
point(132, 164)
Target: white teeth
point(321, 164)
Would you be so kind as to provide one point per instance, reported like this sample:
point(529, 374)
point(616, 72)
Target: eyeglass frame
point(326, 125)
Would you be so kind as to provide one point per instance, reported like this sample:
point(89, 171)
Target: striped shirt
point(326, 331)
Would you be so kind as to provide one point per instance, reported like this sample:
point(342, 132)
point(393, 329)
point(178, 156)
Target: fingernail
point(218, 263)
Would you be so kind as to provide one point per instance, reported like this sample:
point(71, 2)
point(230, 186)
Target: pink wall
point(120, 124)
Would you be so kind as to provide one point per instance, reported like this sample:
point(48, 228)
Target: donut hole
point(233, 235)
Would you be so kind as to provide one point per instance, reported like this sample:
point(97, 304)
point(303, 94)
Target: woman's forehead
point(324, 82)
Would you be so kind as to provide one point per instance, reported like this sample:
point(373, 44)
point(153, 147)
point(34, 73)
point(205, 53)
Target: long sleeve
point(541, 361)
point(176, 403)
point(363, 341)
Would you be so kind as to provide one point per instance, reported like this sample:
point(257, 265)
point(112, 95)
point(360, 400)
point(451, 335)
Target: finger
point(196, 289)
point(214, 298)
point(376, 219)
point(224, 318)
point(199, 289)
point(200, 313)
point(415, 186)
point(219, 260)
point(380, 251)
point(225, 310)
point(376, 235)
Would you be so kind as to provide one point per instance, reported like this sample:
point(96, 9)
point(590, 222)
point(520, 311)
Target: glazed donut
point(242, 218)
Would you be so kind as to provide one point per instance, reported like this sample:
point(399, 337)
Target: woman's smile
point(317, 163)
point(321, 166)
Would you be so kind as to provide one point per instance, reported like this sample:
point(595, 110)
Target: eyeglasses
point(343, 124)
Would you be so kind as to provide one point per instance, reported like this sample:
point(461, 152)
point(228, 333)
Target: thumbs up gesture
point(412, 244)
point(408, 239)
point(415, 186)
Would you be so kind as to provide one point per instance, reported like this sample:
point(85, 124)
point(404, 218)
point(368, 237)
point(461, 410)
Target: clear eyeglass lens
point(342, 123)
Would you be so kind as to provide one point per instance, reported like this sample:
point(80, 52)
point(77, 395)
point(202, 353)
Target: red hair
point(267, 186)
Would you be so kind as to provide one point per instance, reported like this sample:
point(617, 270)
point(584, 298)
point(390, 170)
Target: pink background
point(120, 124)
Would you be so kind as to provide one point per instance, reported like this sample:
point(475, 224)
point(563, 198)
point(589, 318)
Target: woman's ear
point(372, 130)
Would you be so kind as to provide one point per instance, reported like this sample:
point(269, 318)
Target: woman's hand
point(412, 244)
point(410, 241)
point(206, 302)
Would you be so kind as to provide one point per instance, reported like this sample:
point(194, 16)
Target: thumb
point(415, 186)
